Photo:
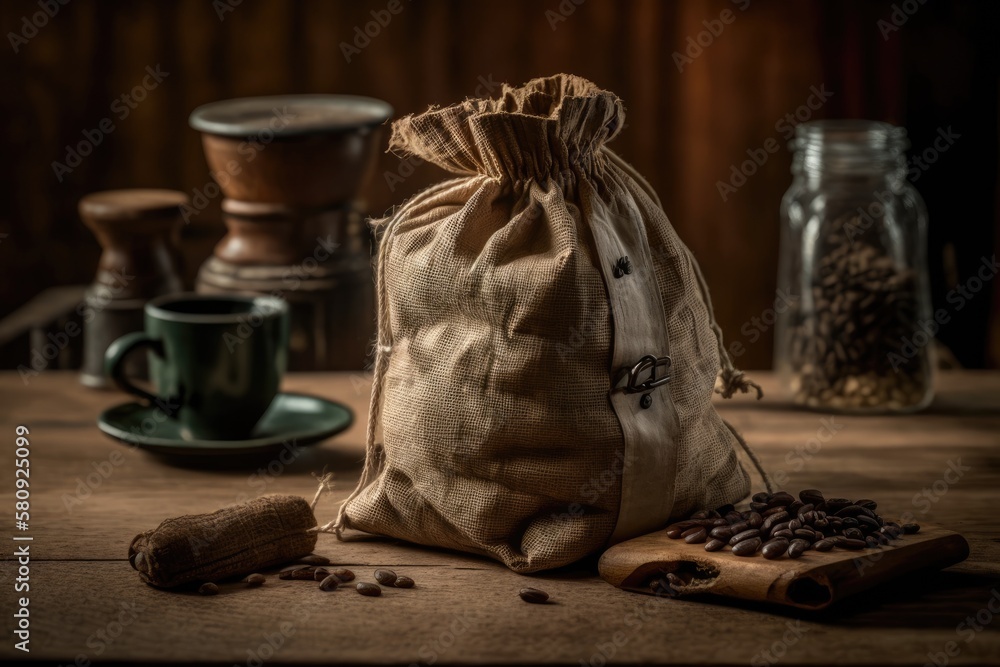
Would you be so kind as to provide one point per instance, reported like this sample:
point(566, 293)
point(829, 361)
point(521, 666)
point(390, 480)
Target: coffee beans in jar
point(853, 326)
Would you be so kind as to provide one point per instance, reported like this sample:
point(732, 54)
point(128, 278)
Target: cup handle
point(118, 351)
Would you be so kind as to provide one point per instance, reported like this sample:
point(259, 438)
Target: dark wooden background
point(685, 129)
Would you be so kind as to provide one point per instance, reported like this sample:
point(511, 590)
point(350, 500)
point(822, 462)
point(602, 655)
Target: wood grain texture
point(465, 609)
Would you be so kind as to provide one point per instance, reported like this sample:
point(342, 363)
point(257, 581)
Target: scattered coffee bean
point(797, 547)
point(533, 595)
point(385, 577)
point(329, 583)
point(299, 573)
point(208, 589)
point(343, 574)
point(404, 582)
point(715, 544)
point(313, 559)
point(721, 532)
point(695, 536)
point(254, 580)
point(854, 545)
point(320, 573)
point(745, 535)
point(911, 528)
point(747, 547)
point(370, 590)
point(823, 545)
point(775, 548)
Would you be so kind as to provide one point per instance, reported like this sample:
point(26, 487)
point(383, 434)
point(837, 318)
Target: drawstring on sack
point(731, 378)
point(373, 452)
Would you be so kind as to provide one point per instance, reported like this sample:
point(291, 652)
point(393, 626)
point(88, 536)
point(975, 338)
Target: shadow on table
point(920, 600)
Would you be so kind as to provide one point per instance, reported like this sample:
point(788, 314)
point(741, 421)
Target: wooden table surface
point(91, 495)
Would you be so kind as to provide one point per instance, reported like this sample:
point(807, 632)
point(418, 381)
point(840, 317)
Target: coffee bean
point(854, 545)
point(834, 505)
point(771, 511)
point(755, 520)
point(775, 548)
point(740, 526)
point(254, 580)
point(805, 534)
point(773, 519)
point(871, 542)
point(854, 534)
point(695, 535)
point(533, 595)
point(797, 547)
point(725, 509)
point(823, 545)
point(404, 582)
point(297, 572)
point(385, 577)
point(911, 528)
point(761, 497)
point(343, 574)
point(747, 547)
point(208, 589)
point(811, 496)
point(715, 544)
point(313, 559)
point(369, 590)
point(722, 532)
point(867, 504)
point(758, 507)
point(749, 534)
point(329, 583)
point(868, 522)
point(703, 514)
point(781, 498)
point(785, 533)
point(320, 573)
point(850, 510)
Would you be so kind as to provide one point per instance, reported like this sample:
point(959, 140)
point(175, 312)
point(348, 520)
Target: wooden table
point(91, 495)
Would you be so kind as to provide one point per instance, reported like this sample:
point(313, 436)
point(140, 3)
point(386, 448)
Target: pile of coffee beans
point(779, 524)
point(852, 347)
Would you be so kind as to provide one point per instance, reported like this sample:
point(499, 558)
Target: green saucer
point(292, 419)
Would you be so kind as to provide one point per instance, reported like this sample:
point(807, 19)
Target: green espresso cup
point(215, 361)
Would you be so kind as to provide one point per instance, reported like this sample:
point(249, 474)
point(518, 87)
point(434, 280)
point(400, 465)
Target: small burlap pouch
point(546, 348)
point(234, 541)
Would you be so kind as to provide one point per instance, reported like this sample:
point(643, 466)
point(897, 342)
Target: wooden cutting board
point(814, 581)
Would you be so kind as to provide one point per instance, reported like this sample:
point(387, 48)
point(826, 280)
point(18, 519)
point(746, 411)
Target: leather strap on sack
point(731, 379)
point(640, 348)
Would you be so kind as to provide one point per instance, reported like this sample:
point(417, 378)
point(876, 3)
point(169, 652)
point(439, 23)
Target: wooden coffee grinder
point(290, 168)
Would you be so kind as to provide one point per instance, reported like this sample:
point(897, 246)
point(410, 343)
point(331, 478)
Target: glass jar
point(857, 335)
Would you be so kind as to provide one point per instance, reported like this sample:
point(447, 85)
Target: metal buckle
point(651, 364)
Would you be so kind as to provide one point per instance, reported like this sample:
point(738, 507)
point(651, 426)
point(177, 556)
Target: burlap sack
point(513, 301)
